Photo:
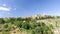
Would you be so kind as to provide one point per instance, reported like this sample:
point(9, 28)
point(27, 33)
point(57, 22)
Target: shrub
point(19, 19)
point(32, 32)
point(25, 25)
point(43, 29)
point(2, 21)
point(6, 25)
point(18, 23)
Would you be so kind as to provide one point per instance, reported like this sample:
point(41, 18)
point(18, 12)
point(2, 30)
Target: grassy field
point(54, 22)
point(20, 25)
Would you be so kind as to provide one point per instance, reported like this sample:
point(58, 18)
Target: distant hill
point(42, 16)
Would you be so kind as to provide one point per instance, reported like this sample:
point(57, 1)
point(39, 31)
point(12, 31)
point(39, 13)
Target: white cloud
point(4, 4)
point(5, 9)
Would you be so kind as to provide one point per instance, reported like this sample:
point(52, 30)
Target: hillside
point(37, 24)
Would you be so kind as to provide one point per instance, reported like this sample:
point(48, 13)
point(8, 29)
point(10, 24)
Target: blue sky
point(21, 8)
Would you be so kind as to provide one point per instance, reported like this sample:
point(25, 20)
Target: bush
point(7, 27)
point(25, 25)
point(18, 23)
point(43, 29)
point(2, 21)
point(32, 32)
point(19, 19)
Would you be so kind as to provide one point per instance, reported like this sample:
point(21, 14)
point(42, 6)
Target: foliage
point(18, 23)
point(27, 24)
point(2, 21)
